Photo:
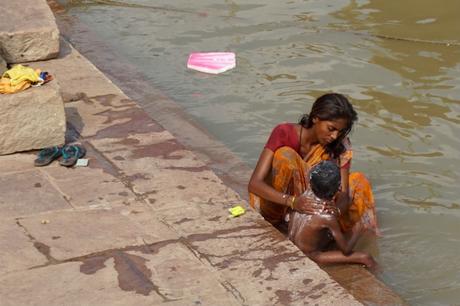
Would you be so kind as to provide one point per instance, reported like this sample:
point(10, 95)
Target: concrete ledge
point(28, 32)
point(32, 119)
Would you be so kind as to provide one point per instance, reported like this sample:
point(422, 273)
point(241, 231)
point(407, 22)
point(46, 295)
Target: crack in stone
point(189, 169)
point(233, 291)
point(41, 247)
point(133, 274)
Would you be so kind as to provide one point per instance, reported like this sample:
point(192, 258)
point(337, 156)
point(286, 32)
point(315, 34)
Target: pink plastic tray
point(212, 62)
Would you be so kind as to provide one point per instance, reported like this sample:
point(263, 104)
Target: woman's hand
point(308, 206)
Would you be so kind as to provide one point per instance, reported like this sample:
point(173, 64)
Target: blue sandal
point(70, 154)
point(47, 155)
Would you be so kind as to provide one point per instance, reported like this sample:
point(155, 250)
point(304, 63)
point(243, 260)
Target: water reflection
point(417, 20)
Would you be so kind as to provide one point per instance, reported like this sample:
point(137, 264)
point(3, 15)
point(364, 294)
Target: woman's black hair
point(332, 106)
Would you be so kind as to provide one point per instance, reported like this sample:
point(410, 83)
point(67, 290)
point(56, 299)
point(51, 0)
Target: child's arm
point(345, 246)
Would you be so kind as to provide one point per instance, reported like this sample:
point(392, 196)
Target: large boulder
point(28, 31)
point(32, 119)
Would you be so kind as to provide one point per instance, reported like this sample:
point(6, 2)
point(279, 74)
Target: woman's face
point(327, 131)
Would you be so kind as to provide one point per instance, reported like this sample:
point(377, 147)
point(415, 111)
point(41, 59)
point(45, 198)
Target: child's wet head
point(325, 179)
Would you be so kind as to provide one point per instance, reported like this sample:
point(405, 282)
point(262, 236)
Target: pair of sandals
point(69, 155)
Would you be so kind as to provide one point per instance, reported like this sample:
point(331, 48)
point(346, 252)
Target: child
point(311, 232)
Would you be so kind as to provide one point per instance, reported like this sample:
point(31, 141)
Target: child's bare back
point(308, 231)
point(312, 234)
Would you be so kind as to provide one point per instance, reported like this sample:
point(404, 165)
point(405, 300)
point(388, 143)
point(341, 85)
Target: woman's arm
point(259, 187)
point(257, 184)
point(342, 199)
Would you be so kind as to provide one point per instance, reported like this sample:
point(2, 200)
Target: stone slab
point(180, 274)
point(89, 186)
point(28, 32)
point(110, 116)
point(184, 189)
point(163, 171)
point(215, 216)
point(28, 193)
point(32, 119)
point(17, 162)
point(282, 280)
point(160, 147)
point(64, 284)
point(89, 115)
point(133, 278)
point(17, 251)
point(144, 161)
point(84, 232)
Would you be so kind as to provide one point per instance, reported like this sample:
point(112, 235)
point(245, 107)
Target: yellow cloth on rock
point(18, 78)
point(20, 73)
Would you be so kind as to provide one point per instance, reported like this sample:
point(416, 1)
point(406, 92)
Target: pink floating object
point(212, 62)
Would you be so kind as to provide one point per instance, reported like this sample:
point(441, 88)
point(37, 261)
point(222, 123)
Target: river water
point(398, 62)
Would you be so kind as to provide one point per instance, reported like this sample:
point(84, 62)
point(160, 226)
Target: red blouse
point(283, 135)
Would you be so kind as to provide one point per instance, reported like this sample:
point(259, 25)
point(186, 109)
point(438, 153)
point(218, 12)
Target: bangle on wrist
point(292, 202)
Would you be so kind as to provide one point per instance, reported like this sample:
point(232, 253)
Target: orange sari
point(289, 175)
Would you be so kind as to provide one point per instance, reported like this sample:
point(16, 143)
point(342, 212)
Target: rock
point(2, 66)
point(28, 32)
point(32, 119)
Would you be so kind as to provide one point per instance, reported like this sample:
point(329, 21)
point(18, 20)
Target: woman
point(281, 173)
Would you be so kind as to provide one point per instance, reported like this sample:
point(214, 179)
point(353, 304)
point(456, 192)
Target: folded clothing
point(19, 78)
